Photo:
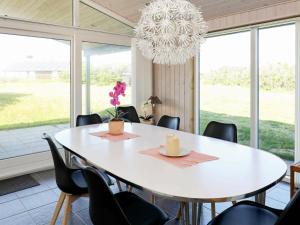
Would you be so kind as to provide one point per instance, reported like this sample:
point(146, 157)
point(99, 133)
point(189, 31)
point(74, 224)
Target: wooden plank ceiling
point(130, 9)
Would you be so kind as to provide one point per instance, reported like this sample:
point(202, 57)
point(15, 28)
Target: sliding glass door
point(225, 82)
point(277, 90)
point(227, 86)
point(102, 66)
point(34, 92)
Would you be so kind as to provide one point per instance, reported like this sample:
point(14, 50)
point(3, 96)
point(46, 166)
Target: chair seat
point(137, 209)
point(246, 213)
point(79, 180)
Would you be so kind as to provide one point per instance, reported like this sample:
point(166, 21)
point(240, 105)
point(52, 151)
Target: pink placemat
point(182, 162)
point(121, 137)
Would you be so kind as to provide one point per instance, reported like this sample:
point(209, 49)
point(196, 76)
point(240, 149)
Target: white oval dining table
point(239, 172)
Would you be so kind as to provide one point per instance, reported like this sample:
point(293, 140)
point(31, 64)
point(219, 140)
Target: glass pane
point(277, 90)
point(34, 92)
point(225, 82)
point(104, 65)
point(93, 19)
point(46, 11)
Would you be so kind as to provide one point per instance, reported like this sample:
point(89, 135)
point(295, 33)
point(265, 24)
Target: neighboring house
point(32, 70)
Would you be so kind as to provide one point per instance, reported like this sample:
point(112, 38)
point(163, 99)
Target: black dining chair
point(71, 183)
point(129, 113)
point(251, 213)
point(222, 131)
point(123, 208)
point(83, 120)
point(169, 122)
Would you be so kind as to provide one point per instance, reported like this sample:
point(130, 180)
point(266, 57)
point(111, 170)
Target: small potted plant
point(116, 124)
point(147, 116)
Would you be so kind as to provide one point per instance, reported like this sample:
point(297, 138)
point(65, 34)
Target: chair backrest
point(103, 207)
point(130, 113)
point(62, 172)
point(290, 214)
point(82, 120)
point(223, 131)
point(169, 122)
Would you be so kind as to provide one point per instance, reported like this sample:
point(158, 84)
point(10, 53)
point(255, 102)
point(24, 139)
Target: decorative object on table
point(191, 159)
point(181, 152)
point(116, 124)
point(172, 145)
point(122, 137)
point(169, 31)
point(147, 112)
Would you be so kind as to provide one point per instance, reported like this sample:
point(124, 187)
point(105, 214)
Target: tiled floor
point(35, 206)
point(25, 141)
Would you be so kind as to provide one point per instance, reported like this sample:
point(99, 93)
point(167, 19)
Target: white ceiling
point(130, 9)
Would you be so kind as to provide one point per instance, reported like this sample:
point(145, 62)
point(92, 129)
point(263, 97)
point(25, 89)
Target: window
point(225, 82)
point(93, 19)
point(277, 90)
point(45, 11)
point(34, 92)
point(225, 85)
point(103, 65)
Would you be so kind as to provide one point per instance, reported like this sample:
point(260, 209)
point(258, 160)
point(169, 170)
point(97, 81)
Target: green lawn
point(232, 105)
point(26, 104)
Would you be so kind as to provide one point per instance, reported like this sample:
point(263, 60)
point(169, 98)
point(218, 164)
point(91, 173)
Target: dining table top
point(239, 172)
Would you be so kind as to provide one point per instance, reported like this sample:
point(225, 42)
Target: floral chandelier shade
point(169, 31)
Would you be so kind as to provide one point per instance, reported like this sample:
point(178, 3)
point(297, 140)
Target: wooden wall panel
point(261, 15)
point(174, 85)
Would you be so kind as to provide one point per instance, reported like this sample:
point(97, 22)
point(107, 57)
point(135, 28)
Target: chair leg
point(119, 185)
point(213, 210)
point(68, 207)
point(58, 208)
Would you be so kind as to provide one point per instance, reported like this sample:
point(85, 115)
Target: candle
point(173, 145)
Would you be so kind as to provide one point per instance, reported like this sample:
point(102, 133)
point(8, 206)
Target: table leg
point(261, 198)
point(187, 213)
point(199, 213)
point(194, 213)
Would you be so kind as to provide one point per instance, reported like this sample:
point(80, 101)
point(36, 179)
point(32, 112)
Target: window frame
point(254, 75)
point(76, 35)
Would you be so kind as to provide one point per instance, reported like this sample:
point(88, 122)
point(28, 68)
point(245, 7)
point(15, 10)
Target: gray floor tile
point(8, 197)
point(80, 204)
point(33, 190)
point(39, 199)
point(20, 219)
point(43, 216)
point(11, 208)
point(46, 178)
point(85, 216)
point(274, 203)
point(279, 194)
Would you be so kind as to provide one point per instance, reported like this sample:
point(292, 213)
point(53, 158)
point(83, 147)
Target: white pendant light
point(169, 31)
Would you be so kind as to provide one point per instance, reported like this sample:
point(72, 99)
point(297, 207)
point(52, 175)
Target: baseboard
point(25, 164)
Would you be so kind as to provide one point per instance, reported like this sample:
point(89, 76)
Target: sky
point(15, 48)
point(275, 45)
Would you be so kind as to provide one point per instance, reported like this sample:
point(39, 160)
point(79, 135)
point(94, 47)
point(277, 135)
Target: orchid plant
point(118, 90)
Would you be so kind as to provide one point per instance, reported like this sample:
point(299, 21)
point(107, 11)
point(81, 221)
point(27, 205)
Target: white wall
point(142, 73)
